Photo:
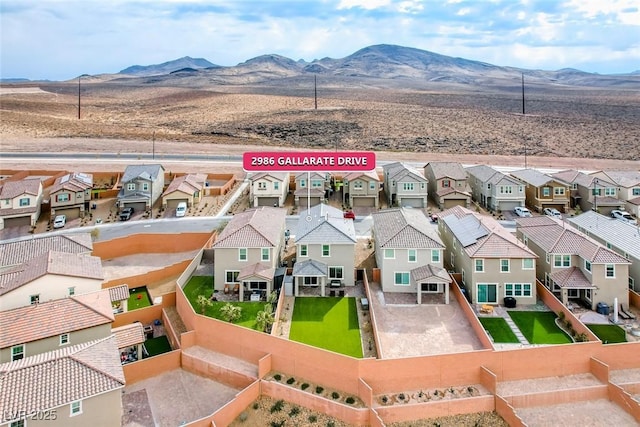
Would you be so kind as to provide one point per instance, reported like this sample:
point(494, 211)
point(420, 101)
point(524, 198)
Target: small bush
point(291, 380)
point(319, 389)
point(401, 396)
point(350, 400)
point(294, 411)
point(277, 423)
point(385, 399)
point(243, 417)
point(313, 418)
point(331, 424)
point(304, 386)
point(256, 405)
point(277, 377)
point(335, 395)
point(277, 407)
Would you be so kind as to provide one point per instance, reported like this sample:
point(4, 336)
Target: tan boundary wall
point(220, 190)
point(443, 408)
point(624, 399)
point(145, 315)
point(634, 299)
point(372, 315)
point(170, 331)
point(477, 327)
point(149, 243)
point(275, 328)
point(147, 368)
point(508, 413)
point(215, 372)
point(557, 397)
point(154, 276)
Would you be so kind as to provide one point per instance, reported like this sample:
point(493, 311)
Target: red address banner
point(324, 161)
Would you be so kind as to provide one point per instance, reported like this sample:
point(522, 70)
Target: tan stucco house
point(404, 186)
point(495, 190)
point(361, 189)
point(628, 182)
point(185, 188)
point(269, 189)
point(20, 202)
point(589, 192)
point(141, 185)
point(70, 195)
point(311, 189)
point(543, 191)
point(448, 185)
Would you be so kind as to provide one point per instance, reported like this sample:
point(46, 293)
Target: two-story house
point(142, 186)
point(269, 189)
point(17, 252)
point(248, 251)
point(494, 190)
point(589, 192)
point(361, 189)
point(70, 195)
point(311, 189)
point(574, 266)
point(628, 182)
point(410, 255)
point(20, 202)
point(448, 185)
point(619, 236)
point(184, 189)
point(404, 186)
point(325, 249)
point(543, 191)
point(493, 263)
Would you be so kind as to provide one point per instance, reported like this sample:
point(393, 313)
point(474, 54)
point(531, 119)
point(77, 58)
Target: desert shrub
point(243, 417)
point(312, 418)
point(335, 395)
point(256, 405)
point(350, 400)
point(319, 389)
point(277, 377)
point(304, 386)
point(294, 411)
point(277, 423)
point(277, 407)
point(291, 380)
point(401, 396)
point(561, 316)
point(385, 399)
point(331, 424)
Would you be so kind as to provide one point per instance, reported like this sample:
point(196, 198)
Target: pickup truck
point(125, 214)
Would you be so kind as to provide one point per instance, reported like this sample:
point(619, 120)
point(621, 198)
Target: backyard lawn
point(609, 334)
point(138, 298)
point(329, 323)
point(203, 285)
point(157, 345)
point(499, 330)
point(539, 327)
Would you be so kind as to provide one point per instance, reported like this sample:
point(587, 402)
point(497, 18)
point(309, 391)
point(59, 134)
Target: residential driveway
point(409, 330)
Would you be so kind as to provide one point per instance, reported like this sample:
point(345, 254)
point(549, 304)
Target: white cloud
point(363, 4)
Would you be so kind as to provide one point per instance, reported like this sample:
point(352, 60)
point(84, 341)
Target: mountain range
point(378, 64)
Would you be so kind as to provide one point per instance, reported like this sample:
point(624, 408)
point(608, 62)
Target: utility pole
point(315, 91)
point(79, 97)
point(523, 94)
point(153, 146)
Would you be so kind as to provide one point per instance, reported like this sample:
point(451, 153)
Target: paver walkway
point(500, 311)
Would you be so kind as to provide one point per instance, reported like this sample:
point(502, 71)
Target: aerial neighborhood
point(408, 292)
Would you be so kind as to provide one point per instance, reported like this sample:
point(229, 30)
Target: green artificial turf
point(539, 327)
point(203, 285)
point(498, 329)
point(329, 323)
point(138, 298)
point(609, 334)
point(157, 345)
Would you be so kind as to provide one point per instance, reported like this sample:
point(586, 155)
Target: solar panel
point(467, 229)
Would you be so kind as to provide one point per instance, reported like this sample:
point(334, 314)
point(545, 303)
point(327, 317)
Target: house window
point(527, 264)
point(265, 254)
point(636, 191)
point(520, 188)
point(25, 201)
point(548, 258)
point(389, 253)
point(231, 276)
point(145, 186)
point(572, 293)
point(64, 339)
point(34, 299)
point(131, 186)
point(262, 185)
point(303, 183)
point(310, 281)
point(610, 191)
point(446, 183)
point(596, 192)
point(407, 186)
point(517, 289)
point(357, 185)
point(422, 185)
point(631, 283)
point(276, 185)
point(487, 293)
point(19, 423)
point(17, 352)
point(587, 294)
point(336, 273)
point(412, 255)
point(76, 408)
point(242, 254)
point(429, 287)
point(546, 191)
point(479, 265)
point(304, 251)
point(562, 261)
point(558, 191)
point(587, 265)
point(326, 250)
point(504, 265)
point(506, 189)
point(316, 183)
point(71, 290)
point(611, 270)
point(525, 239)
point(62, 197)
point(435, 255)
point(402, 278)
point(453, 257)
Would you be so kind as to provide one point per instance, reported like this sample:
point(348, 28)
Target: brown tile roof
point(554, 238)
point(372, 175)
point(48, 319)
point(57, 378)
point(430, 272)
point(254, 228)
point(56, 263)
point(453, 170)
point(11, 212)
point(571, 277)
point(258, 269)
point(14, 189)
point(404, 228)
point(74, 181)
point(20, 251)
point(450, 190)
point(129, 335)
point(187, 184)
point(119, 293)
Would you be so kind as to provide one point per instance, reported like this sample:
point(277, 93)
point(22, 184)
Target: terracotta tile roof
point(57, 378)
point(554, 237)
point(188, 184)
point(571, 277)
point(129, 335)
point(254, 228)
point(13, 189)
point(20, 251)
point(48, 319)
point(404, 228)
point(74, 181)
point(324, 224)
point(11, 212)
point(453, 170)
point(635, 201)
point(450, 190)
point(119, 293)
point(567, 176)
point(430, 272)
point(264, 271)
point(56, 263)
point(372, 175)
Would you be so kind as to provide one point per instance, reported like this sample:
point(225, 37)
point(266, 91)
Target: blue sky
point(61, 39)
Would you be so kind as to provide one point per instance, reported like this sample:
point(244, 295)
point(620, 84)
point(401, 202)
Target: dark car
point(125, 214)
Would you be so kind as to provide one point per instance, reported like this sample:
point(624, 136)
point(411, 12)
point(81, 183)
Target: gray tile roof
point(487, 174)
point(453, 170)
point(148, 172)
point(554, 237)
point(624, 178)
point(310, 267)
point(12, 189)
point(254, 228)
point(620, 234)
point(129, 335)
point(324, 224)
point(532, 176)
point(397, 171)
point(404, 228)
point(430, 272)
point(51, 318)
point(57, 378)
point(20, 251)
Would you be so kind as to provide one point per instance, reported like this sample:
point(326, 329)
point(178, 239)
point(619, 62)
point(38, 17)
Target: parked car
point(181, 209)
point(623, 216)
point(126, 213)
point(350, 215)
point(59, 221)
point(553, 212)
point(522, 211)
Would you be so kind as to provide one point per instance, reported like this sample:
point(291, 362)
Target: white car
point(59, 221)
point(622, 216)
point(181, 209)
point(553, 212)
point(522, 211)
